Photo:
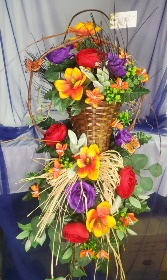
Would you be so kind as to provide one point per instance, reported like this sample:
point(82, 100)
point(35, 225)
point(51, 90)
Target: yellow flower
point(55, 171)
point(72, 85)
point(35, 191)
point(129, 219)
point(60, 149)
point(102, 254)
point(142, 72)
point(89, 162)
point(86, 253)
point(99, 221)
point(84, 29)
point(94, 97)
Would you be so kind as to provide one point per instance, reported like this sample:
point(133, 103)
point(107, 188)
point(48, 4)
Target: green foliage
point(77, 107)
point(155, 169)
point(136, 94)
point(133, 209)
point(23, 234)
point(139, 161)
point(25, 227)
point(124, 118)
point(134, 202)
point(51, 74)
point(146, 183)
point(85, 44)
point(76, 271)
point(61, 104)
point(143, 137)
point(102, 265)
point(47, 123)
point(120, 234)
point(34, 222)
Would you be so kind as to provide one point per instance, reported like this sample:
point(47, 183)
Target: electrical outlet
point(123, 20)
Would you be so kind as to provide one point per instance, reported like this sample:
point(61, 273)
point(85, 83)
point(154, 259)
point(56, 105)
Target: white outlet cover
point(123, 20)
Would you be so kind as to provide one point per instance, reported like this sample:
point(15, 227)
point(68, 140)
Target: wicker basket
point(96, 123)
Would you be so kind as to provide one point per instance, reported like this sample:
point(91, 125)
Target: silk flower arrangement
point(89, 194)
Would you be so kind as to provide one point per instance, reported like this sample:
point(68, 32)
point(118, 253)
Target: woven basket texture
point(96, 123)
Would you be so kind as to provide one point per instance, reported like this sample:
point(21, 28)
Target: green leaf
point(76, 271)
point(102, 265)
point(43, 197)
point(23, 234)
point(127, 161)
point(155, 169)
point(27, 196)
point(138, 190)
point(41, 239)
point(63, 249)
point(120, 234)
point(67, 254)
point(135, 202)
point(40, 148)
point(34, 223)
point(84, 261)
point(67, 63)
point(139, 161)
point(27, 245)
point(143, 138)
point(62, 104)
point(131, 232)
point(146, 183)
point(25, 227)
point(47, 123)
point(50, 94)
point(51, 75)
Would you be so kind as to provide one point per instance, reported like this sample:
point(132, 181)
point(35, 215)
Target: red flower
point(127, 182)
point(88, 58)
point(55, 133)
point(75, 233)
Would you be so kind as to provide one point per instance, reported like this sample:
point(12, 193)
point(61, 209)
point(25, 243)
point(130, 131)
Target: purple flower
point(122, 137)
point(57, 56)
point(116, 65)
point(80, 196)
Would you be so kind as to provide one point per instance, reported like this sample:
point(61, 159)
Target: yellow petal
point(91, 214)
point(103, 208)
point(108, 221)
point(62, 85)
point(93, 175)
point(95, 147)
point(76, 93)
point(82, 172)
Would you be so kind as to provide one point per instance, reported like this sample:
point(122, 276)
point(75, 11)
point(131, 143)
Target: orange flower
point(142, 72)
point(84, 29)
point(60, 149)
point(35, 191)
point(72, 85)
point(128, 219)
point(102, 254)
point(89, 162)
point(99, 221)
point(116, 123)
point(119, 84)
point(55, 171)
point(94, 97)
point(86, 253)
